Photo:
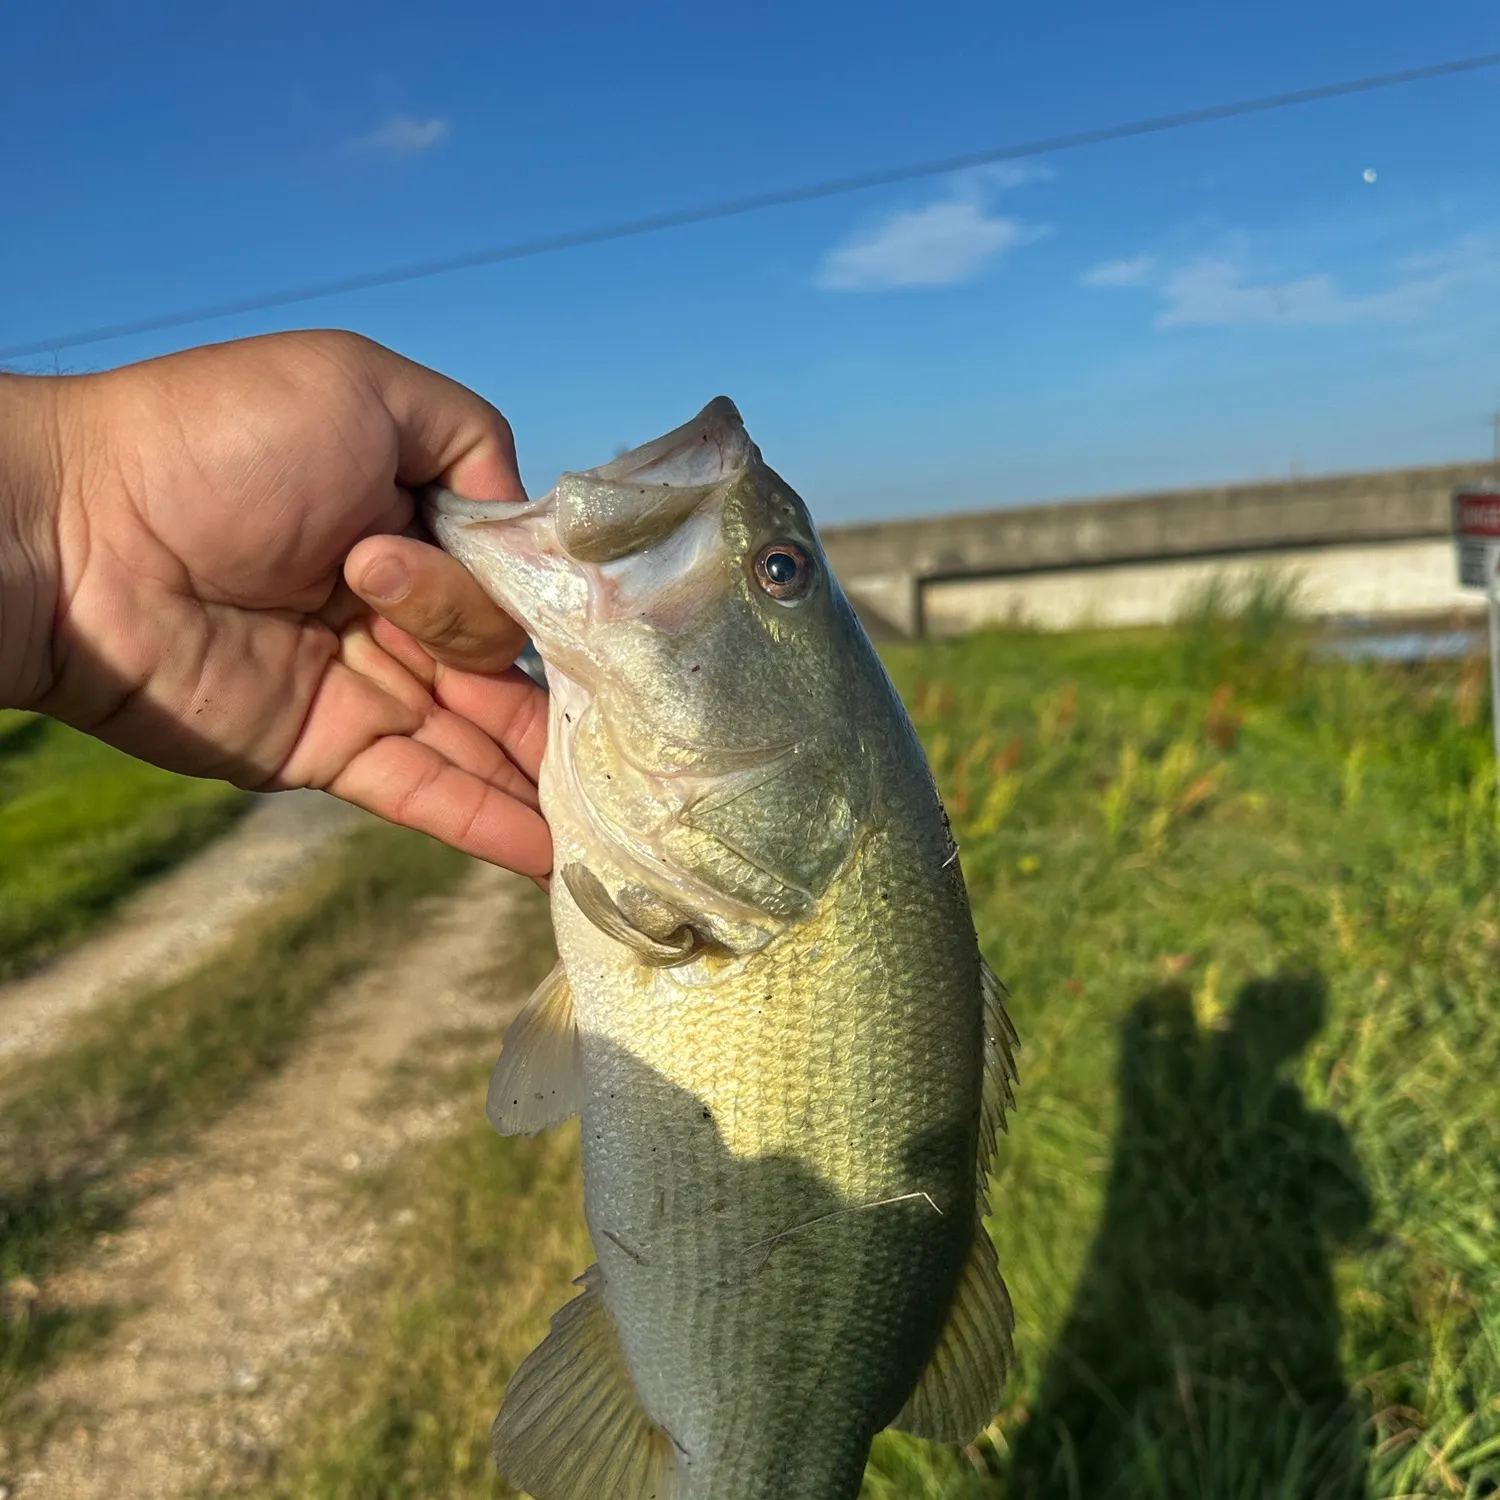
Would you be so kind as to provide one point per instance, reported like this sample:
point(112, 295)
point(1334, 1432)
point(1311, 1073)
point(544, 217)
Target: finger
point(510, 707)
point(362, 736)
point(411, 784)
point(447, 432)
point(373, 666)
point(436, 601)
point(461, 744)
point(512, 710)
point(342, 608)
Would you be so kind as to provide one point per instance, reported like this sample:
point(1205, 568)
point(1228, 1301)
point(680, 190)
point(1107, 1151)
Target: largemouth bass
point(790, 1062)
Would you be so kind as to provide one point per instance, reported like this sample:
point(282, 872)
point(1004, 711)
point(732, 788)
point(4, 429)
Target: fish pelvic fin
point(537, 1082)
point(571, 1426)
point(960, 1390)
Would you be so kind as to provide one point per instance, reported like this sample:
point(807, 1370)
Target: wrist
point(31, 487)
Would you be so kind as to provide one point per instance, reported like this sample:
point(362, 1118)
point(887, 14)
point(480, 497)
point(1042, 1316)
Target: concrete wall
point(1373, 579)
point(1375, 544)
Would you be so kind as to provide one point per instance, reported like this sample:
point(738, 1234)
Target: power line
point(729, 208)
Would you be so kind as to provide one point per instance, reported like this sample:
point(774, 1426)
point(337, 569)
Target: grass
point(84, 1129)
point(81, 825)
point(1248, 901)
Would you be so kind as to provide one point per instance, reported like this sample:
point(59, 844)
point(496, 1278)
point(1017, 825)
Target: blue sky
point(1234, 300)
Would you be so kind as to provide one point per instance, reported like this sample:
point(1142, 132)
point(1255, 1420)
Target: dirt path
point(179, 920)
point(238, 1265)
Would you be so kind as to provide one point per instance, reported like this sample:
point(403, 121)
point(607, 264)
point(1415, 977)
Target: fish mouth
point(611, 511)
point(511, 549)
point(450, 517)
point(620, 539)
point(704, 451)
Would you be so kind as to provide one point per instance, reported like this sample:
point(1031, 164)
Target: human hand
point(205, 506)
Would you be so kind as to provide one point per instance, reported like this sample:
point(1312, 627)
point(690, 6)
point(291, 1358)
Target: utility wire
point(729, 208)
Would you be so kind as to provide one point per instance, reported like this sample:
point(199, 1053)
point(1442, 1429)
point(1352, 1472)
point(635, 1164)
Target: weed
point(82, 825)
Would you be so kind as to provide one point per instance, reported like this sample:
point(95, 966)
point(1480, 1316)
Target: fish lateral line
point(837, 1213)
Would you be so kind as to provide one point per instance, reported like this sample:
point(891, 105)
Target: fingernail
point(388, 581)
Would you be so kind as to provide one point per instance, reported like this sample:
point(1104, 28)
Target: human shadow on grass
point(1201, 1355)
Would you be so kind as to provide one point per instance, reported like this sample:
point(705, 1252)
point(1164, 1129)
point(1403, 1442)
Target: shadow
point(45, 1221)
point(778, 1325)
point(1201, 1355)
point(21, 735)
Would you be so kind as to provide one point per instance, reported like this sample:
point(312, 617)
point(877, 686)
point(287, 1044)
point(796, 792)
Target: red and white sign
point(1476, 535)
point(1477, 513)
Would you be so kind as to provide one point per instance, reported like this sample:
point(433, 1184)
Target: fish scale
point(771, 1013)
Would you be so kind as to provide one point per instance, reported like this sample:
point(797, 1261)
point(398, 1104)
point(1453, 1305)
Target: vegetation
point(81, 825)
point(80, 1129)
point(1247, 901)
point(493, 1239)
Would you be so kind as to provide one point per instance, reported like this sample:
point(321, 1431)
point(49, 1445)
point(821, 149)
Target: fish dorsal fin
point(537, 1083)
point(571, 1426)
point(678, 945)
point(961, 1387)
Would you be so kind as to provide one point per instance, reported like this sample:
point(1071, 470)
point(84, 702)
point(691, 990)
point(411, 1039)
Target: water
point(1405, 645)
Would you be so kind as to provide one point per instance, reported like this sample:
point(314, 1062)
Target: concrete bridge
point(1376, 544)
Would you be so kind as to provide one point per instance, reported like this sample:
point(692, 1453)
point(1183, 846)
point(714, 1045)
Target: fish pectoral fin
point(571, 1426)
point(537, 1083)
point(674, 942)
point(960, 1390)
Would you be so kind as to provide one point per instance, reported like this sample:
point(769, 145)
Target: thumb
point(436, 601)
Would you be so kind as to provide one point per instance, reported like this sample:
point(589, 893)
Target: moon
point(1369, 174)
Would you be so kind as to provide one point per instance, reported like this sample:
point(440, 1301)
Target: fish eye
point(784, 571)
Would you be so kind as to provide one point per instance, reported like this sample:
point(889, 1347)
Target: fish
point(791, 1064)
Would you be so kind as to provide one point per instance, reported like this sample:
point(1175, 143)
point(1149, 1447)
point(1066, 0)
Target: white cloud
point(1216, 291)
point(1136, 271)
point(402, 136)
point(939, 245)
point(1000, 177)
point(943, 244)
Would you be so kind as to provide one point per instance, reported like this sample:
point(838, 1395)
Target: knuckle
point(502, 425)
point(445, 625)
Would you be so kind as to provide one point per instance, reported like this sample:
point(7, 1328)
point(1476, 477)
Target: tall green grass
point(1246, 901)
point(1246, 630)
point(81, 825)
